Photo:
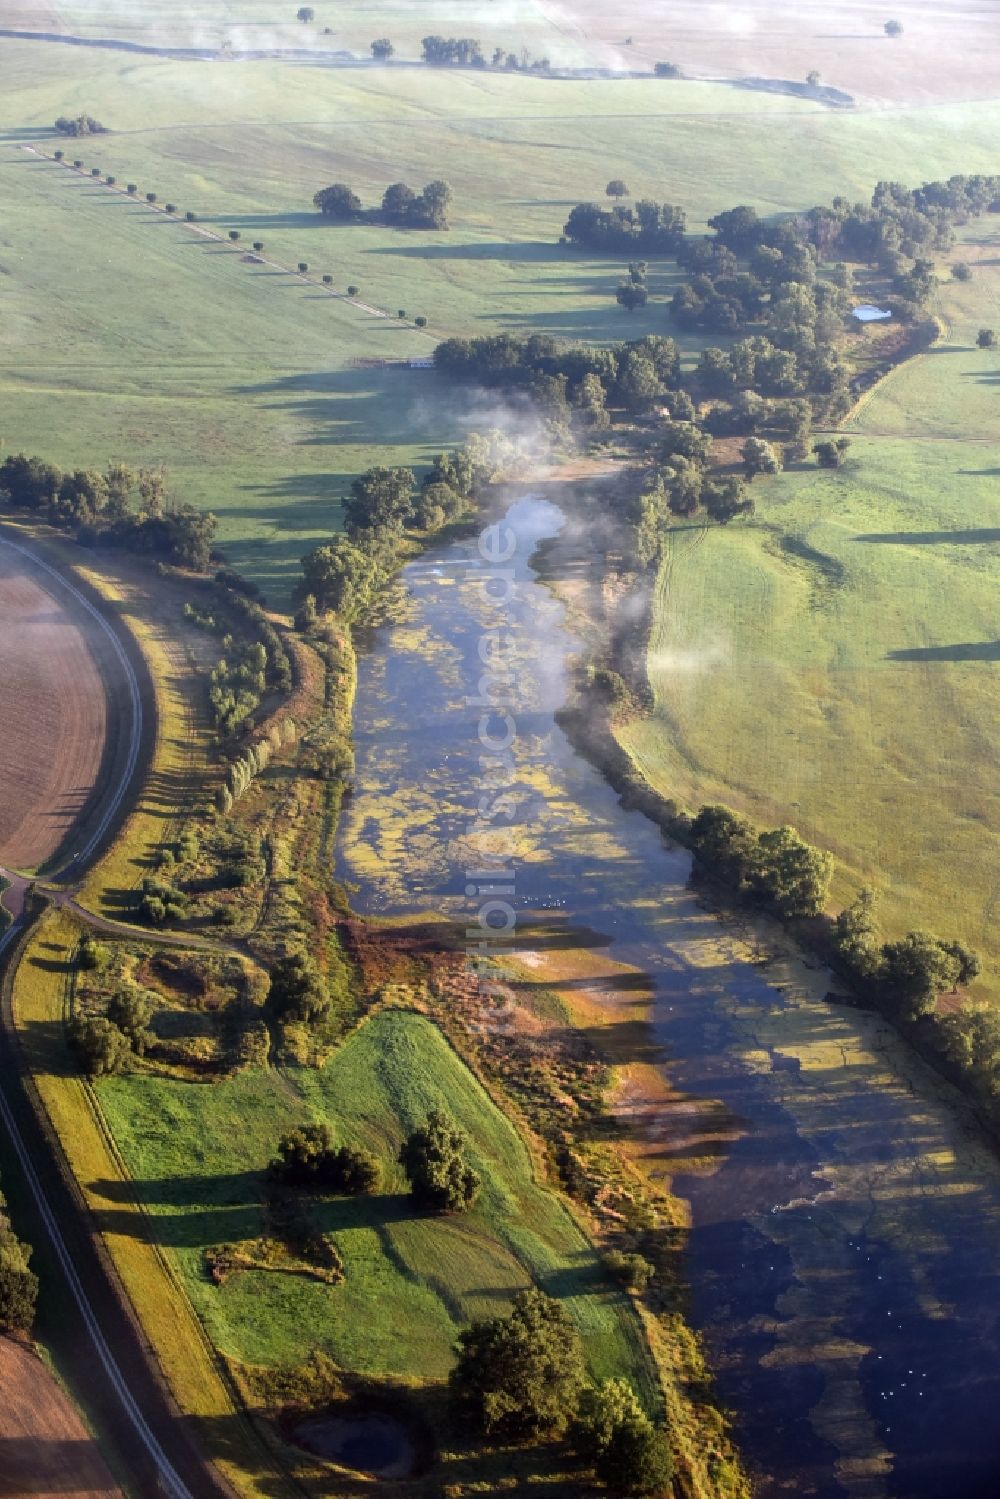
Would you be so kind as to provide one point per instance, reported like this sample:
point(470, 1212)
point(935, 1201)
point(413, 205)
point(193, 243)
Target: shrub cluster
point(400, 206)
point(83, 124)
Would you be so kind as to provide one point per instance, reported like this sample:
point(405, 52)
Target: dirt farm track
point(44, 1447)
point(53, 715)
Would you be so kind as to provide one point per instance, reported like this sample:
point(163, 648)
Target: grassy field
point(162, 346)
point(833, 664)
point(412, 1282)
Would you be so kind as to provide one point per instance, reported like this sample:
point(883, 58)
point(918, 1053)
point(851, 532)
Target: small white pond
point(866, 313)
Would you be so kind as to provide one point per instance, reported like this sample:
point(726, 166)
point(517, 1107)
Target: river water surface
point(845, 1252)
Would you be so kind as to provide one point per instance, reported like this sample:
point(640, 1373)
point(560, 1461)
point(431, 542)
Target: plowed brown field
point(52, 716)
point(45, 1449)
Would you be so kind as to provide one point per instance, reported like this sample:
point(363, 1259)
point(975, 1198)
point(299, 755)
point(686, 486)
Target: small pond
point(369, 1442)
point(867, 313)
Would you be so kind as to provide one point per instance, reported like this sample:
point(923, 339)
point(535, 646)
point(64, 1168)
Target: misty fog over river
point(844, 1260)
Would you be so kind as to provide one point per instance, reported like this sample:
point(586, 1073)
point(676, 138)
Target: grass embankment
point(167, 347)
point(832, 664)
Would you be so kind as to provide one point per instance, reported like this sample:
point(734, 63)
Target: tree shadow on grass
point(972, 650)
point(532, 252)
point(211, 1210)
point(974, 537)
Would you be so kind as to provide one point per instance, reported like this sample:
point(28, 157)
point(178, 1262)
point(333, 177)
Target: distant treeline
point(467, 52)
point(120, 506)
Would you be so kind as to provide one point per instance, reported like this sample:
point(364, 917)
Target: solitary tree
point(420, 322)
point(961, 271)
point(303, 267)
point(150, 197)
point(986, 338)
point(616, 188)
point(305, 14)
point(666, 70)
point(812, 78)
point(893, 28)
point(382, 49)
point(234, 235)
point(519, 1375)
point(433, 1159)
point(327, 280)
point(352, 291)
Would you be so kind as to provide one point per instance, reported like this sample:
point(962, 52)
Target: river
point(844, 1259)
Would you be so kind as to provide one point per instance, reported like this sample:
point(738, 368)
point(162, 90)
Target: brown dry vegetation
point(52, 707)
point(45, 1450)
point(949, 50)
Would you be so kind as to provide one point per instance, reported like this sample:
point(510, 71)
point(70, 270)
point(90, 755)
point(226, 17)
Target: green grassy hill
point(412, 1282)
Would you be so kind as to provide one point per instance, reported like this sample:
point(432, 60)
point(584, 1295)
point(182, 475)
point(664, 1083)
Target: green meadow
point(834, 662)
point(412, 1282)
point(124, 333)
